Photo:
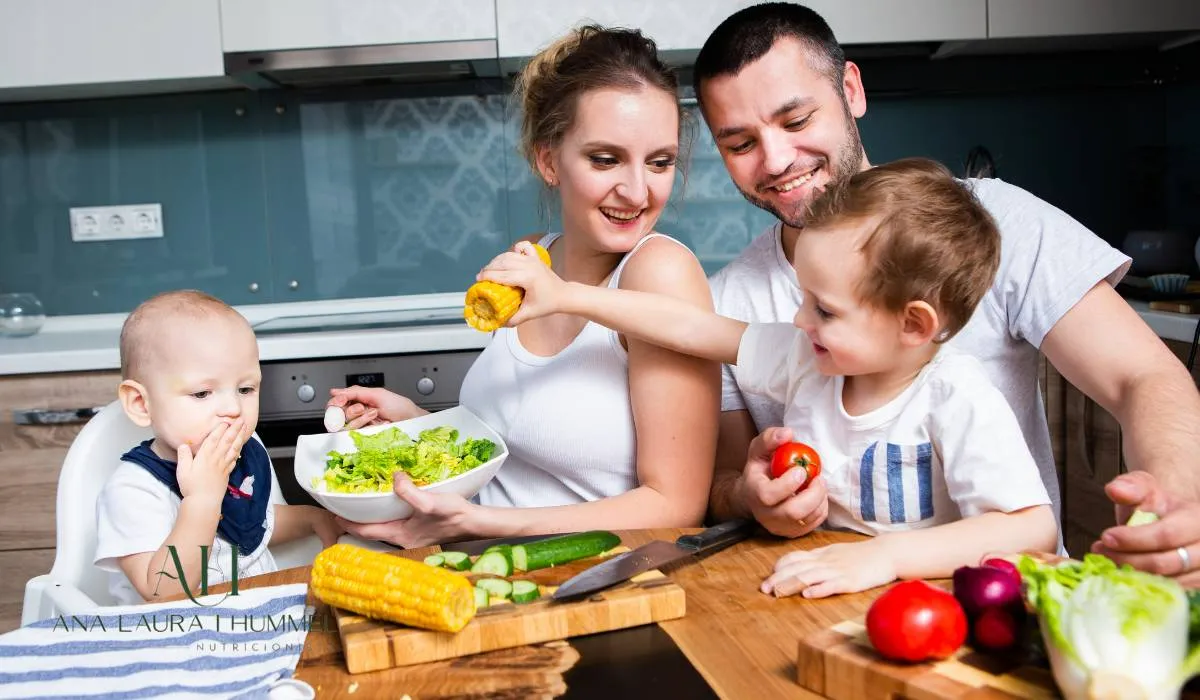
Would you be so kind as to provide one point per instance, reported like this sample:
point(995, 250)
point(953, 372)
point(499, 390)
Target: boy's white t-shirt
point(135, 513)
point(1048, 262)
point(947, 448)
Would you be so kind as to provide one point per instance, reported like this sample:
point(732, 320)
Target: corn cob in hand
point(490, 304)
point(389, 587)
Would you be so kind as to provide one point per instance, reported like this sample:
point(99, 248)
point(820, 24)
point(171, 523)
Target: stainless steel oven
point(294, 393)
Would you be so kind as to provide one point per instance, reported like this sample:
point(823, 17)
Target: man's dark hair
point(747, 35)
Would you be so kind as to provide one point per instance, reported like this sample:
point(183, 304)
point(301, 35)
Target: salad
point(435, 455)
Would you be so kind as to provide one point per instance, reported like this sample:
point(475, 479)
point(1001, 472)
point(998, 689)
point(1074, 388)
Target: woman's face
point(615, 167)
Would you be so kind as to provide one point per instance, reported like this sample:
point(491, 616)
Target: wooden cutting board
point(839, 663)
point(371, 645)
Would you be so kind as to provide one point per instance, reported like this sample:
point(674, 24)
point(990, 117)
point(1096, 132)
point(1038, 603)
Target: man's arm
point(1105, 349)
point(735, 431)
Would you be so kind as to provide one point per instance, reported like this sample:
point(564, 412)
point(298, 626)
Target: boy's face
point(205, 373)
point(848, 336)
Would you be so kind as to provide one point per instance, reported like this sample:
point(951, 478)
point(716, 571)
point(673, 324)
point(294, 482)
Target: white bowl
point(313, 450)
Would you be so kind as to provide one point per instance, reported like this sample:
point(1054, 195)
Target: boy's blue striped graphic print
point(898, 488)
point(236, 648)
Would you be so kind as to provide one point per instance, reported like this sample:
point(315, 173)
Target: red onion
point(1006, 565)
point(996, 629)
point(982, 587)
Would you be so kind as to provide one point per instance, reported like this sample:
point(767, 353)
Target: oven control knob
point(305, 393)
point(424, 386)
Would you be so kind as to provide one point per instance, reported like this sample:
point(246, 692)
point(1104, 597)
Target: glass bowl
point(20, 315)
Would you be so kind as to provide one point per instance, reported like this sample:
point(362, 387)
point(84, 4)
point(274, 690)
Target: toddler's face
point(848, 336)
point(206, 374)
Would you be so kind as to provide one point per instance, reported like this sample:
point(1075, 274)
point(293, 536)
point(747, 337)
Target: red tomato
point(914, 621)
point(790, 455)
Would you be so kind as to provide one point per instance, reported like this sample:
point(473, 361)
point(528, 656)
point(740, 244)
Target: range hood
point(439, 61)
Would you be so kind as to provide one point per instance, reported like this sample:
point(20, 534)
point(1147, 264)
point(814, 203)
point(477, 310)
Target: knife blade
point(653, 555)
point(474, 547)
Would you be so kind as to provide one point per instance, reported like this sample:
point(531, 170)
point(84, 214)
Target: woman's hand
point(522, 268)
point(436, 518)
point(365, 406)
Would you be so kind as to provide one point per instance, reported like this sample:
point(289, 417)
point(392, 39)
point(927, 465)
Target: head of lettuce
point(1112, 632)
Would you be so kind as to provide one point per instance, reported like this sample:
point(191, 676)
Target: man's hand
point(1154, 547)
point(205, 476)
point(774, 502)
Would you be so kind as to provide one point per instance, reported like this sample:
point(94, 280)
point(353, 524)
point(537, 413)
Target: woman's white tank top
point(566, 418)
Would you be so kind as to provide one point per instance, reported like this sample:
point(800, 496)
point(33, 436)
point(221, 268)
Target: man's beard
point(849, 161)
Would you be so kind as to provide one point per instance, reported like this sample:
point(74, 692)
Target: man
point(781, 102)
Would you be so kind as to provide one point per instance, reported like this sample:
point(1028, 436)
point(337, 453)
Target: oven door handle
point(282, 452)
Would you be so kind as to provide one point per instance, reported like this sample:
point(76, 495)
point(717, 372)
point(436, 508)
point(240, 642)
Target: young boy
point(917, 447)
point(189, 365)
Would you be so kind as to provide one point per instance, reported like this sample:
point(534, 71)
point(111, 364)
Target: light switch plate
point(116, 223)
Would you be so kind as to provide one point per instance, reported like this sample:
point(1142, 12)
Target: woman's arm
point(675, 401)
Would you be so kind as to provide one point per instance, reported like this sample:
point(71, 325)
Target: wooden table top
point(743, 643)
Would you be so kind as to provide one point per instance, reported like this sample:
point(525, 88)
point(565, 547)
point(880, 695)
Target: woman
point(603, 431)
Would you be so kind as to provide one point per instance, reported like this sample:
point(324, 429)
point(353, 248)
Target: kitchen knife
point(654, 555)
point(474, 547)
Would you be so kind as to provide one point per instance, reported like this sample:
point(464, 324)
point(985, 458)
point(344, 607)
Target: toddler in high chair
point(189, 369)
point(918, 448)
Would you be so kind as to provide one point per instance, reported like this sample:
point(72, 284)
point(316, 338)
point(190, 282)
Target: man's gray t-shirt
point(1048, 262)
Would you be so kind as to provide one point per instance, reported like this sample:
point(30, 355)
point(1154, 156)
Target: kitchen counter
point(89, 343)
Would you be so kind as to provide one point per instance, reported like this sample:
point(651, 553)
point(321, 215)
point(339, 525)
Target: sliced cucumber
point(456, 560)
point(505, 548)
point(524, 591)
point(520, 558)
point(494, 563)
point(481, 599)
point(560, 550)
point(435, 560)
point(496, 587)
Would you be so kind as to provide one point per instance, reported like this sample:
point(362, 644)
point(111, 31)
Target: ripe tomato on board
point(791, 455)
point(915, 621)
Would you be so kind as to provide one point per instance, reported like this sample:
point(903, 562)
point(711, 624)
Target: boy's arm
point(964, 542)
point(657, 319)
point(154, 574)
point(295, 522)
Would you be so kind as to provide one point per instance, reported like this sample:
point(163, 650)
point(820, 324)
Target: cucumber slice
point(435, 560)
point(503, 548)
point(524, 591)
point(481, 599)
point(456, 560)
point(520, 559)
point(560, 550)
point(496, 587)
point(494, 563)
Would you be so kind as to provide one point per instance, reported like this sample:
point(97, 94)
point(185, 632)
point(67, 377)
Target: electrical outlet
point(116, 223)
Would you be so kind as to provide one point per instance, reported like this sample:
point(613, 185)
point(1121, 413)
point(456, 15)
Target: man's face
point(784, 129)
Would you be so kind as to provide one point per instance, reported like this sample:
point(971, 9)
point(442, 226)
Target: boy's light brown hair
point(144, 328)
point(929, 238)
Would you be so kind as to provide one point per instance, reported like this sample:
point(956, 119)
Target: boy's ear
point(136, 402)
point(919, 324)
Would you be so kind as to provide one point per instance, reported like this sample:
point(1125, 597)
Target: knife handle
point(727, 532)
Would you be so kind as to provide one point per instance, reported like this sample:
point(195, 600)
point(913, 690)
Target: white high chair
point(74, 585)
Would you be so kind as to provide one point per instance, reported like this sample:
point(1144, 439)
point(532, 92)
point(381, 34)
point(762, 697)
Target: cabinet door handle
point(51, 416)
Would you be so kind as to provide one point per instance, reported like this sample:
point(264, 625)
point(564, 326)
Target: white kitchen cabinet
point(47, 43)
point(1042, 18)
point(525, 26)
point(276, 25)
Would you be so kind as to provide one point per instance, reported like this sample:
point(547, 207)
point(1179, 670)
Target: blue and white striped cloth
point(237, 647)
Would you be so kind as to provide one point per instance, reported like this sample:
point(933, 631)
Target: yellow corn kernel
point(489, 304)
point(390, 587)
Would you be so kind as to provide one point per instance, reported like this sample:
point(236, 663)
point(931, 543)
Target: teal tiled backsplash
point(354, 197)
